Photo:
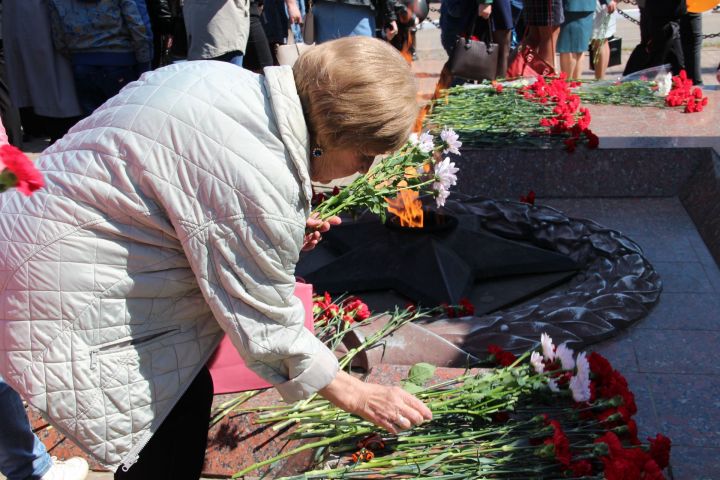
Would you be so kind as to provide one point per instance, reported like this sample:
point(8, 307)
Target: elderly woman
point(174, 214)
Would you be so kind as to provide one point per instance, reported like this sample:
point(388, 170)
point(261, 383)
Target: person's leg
point(22, 454)
point(577, 65)
point(567, 63)
point(691, 38)
point(257, 54)
point(502, 38)
point(177, 450)
point(601, 57)
point(547, 41)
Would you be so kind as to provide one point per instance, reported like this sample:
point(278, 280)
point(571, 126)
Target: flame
point(408, 208)
point(443, 83)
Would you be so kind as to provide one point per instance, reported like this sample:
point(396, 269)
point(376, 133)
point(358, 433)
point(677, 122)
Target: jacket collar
point(291, 122)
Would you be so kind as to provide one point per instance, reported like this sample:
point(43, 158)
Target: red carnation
point(581, 469)
point(660, 450)
point(357, 308)
point(501, 356)
point(28, 178)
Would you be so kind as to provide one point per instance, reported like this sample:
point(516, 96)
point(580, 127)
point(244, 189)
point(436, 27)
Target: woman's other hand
point(484, 10)
point(391, 408)
point(314, 228)
point(611, 5)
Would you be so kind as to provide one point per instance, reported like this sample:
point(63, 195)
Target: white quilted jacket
point(174, 212)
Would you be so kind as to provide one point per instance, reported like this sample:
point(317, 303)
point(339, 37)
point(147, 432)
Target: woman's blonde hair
point(357, 92)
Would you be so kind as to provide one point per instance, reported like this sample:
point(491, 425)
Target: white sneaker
point(74, 468)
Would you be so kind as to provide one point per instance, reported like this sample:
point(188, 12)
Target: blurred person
point(8, 111)
point(109, 43)
point(518, 22)
point(345, 18)
point(217, 29)
point(456, 16)
point(575, 33)
point(279, 17)
point(691, 38)
point(22, 455)
point(191, 189)
point(543, 19)
point(162, 22)
point(40, 79)
point(604, 27)
point(664, 44)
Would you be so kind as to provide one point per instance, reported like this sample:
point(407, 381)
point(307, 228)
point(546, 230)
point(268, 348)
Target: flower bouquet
point(547, 414)
point(414, 167)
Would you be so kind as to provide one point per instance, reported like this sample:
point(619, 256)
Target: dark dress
point(543, 13)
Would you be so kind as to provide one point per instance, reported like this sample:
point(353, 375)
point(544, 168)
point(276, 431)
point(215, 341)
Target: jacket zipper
point(127, 342)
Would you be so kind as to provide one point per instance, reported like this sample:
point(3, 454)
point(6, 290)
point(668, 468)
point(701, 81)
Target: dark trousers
point(97, 83)
point(8, 111)
point(257, 54)
point(177, 450)
point(691, 38)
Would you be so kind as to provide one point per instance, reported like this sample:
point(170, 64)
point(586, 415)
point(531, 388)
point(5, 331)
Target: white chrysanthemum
point(413, 139)
point(582, 364)
point(664, 84)
point(451, 141)
point(580, 382)
point(547, 347)
point(552, 383)
point(441, 195)
point(580, 388)
point(445, 177)
point(536, 360)
point(565, 355)
point(425, 143)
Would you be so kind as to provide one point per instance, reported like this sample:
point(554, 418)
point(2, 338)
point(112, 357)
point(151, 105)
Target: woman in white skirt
point(604, 26)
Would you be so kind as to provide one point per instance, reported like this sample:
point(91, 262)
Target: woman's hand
point(611, 6)
point(314, 228)
point(293, 11)
point(391, 408)
point(484, 10)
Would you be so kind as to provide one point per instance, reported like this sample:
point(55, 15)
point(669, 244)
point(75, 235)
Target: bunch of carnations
point(464, 308)
point(334, 318)
point(516, 114)
point(414, 167)
point(633, 93)
point(547, 414)
point(683, 93)
point(18, 171)
point(568, 119)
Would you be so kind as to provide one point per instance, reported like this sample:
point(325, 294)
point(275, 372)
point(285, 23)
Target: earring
point(317, 152)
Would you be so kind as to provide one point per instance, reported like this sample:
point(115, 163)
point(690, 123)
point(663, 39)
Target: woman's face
point(338, 163)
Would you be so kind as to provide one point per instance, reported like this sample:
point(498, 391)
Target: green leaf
point(411, 387)
point(421, 373)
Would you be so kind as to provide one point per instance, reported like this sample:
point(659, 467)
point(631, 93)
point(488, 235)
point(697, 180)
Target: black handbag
point(615, 45)
point(474, 59)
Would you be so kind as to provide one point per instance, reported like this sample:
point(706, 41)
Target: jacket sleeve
point(244, 266)
point(136, 17)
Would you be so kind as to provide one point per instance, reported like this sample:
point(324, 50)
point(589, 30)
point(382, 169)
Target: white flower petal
point(552, 383)
point(536, 360)
point(426, 144)
point(580, 388)
point(413, 139)
point(450, 138)
point(547, 347)
point(565, 355)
